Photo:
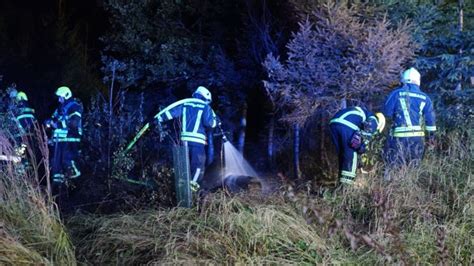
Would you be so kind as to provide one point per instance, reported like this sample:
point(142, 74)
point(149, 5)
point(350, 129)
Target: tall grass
point(231, 230)
point(424, 216)
point(31, 232)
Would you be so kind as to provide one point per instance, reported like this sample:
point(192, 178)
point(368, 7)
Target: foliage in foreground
point(31, 232)
point(425, 215)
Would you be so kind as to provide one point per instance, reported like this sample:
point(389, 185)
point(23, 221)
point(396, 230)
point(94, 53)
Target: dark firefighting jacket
point(196, 116)
point(411, 111)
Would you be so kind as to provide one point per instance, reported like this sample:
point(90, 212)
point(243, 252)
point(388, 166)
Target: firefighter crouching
point(66, 123)
point(350, 127)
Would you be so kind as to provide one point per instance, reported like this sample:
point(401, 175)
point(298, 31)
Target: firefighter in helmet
point(196, 117)
point(24, 118)
point(66, 123)
point(411, 112)
point(351, 128)
point(24, 114)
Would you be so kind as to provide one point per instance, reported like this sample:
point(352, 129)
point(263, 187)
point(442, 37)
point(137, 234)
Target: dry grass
point(232, 230)
point(424, 216)
point(31, 232)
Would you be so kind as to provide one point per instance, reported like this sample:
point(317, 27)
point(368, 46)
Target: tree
point(336, 54)
point(166, 43)
point(445, 54)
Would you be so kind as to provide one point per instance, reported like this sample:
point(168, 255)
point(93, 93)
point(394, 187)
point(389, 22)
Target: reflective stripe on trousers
point(341, 135)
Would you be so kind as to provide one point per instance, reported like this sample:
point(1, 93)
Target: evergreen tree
point(446, 54)
point(336, 55)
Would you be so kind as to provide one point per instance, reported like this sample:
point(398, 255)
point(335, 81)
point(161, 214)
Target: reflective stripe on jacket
point(25, 117)
point(354, 117)
point(196, 116)
point(69, 121)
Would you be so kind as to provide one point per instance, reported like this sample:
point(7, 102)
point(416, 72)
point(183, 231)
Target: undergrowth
point(31, 232)
point(424, 215)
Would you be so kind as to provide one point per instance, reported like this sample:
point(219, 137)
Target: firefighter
point(197, 117)
point(411, 112)
point(66, 123)
point(351, 128)
point(24, 115)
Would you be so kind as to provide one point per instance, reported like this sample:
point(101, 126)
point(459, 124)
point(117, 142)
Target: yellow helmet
point(64, 92)
point(380, 121)
point(21, 96)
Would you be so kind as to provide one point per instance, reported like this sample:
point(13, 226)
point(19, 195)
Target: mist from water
point(235, 164)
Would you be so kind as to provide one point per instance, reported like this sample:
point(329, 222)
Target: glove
point(194, 186)
point(50, 124)
point(356, 141)
point(21, 150)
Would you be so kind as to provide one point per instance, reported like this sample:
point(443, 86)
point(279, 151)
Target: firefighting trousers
point(197, 161)
point(341, 136)
point(64, 161)
point(403, 151)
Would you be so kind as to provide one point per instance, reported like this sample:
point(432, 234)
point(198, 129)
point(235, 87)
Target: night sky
point(33, 50)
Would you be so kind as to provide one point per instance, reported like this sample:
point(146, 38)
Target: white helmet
point(204, 93)
point(412, 76)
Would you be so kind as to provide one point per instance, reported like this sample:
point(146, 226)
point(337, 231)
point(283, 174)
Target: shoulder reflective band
point(430, 128)
point(344, 122)
point(73, 114)
point(173, 105)
point(362, 113)
point(406, 113)
point(408, 134)
point(198, 105)
point(25, 116)
point(412, 94)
